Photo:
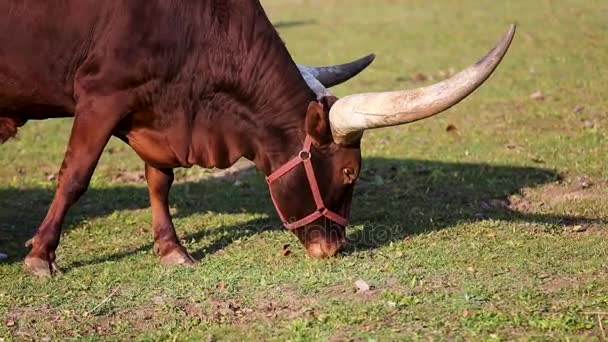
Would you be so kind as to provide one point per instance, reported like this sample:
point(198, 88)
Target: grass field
point(487, 222)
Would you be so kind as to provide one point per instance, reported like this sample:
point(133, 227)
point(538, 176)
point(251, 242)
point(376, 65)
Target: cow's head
point(335, 127)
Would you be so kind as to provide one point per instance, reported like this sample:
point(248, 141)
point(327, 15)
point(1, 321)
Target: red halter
point(304, 157)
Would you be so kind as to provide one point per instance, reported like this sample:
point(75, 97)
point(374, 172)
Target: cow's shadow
point(394, 198)
point(294, 23)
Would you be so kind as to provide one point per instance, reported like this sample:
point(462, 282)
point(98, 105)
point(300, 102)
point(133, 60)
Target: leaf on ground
point(537, 160)
point(579, 228)
point(362, 286)
point(537, 96)
point(465, 313)
point(285, 250)
point(511, 146)
point(421, 77)
point(451, 129)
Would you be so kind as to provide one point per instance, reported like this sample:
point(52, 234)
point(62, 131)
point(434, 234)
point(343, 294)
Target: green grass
point(487, 233)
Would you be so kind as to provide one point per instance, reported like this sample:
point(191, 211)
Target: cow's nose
point(323, 250)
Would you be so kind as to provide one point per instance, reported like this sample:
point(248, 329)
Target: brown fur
point(8, 129)
point(183, 83)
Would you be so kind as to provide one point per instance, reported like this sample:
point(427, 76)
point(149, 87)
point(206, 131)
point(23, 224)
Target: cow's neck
point(261, 119)
point(255, 98)
point(282, 142)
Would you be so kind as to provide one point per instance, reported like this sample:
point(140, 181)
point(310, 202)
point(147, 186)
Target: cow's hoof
point(177, 257)
point(40, 267)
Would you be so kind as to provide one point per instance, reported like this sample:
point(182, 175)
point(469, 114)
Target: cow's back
point(41, 45)
point(53, 51)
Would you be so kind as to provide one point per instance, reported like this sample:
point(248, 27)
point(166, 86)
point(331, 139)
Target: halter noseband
point(304, 158)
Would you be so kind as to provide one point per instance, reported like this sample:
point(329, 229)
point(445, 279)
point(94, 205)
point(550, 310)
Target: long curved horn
point(351, 115)
point(333, 75)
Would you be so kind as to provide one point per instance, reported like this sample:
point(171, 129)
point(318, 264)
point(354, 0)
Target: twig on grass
point(86, 314)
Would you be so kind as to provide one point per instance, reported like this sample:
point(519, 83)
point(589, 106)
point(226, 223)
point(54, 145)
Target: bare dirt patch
point(564, 282)
point(555, 194)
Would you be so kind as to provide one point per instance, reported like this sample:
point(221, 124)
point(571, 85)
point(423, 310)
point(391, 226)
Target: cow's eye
point(349, 175)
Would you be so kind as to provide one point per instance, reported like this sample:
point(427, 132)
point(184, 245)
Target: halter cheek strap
point(304, 158)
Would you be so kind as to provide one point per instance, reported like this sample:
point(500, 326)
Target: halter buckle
point(304, 155)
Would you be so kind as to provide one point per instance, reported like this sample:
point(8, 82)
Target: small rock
point(362, 286)
point(585, 182)
point(51, 177)
point(588, 124)
point(3, 256)
point(537, 96)
point(10, 324)
point(578, 109)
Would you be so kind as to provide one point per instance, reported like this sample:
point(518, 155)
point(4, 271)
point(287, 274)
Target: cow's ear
point(317, 121)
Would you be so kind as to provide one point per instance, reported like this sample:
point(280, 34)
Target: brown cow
point(197, 83)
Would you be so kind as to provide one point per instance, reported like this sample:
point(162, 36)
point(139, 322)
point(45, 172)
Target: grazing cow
point(197, 83)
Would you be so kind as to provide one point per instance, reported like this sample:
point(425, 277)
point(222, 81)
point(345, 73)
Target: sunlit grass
point(490, 231)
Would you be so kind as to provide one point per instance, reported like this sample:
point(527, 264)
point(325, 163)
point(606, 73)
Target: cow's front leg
point(90, 133)
point(166, 243)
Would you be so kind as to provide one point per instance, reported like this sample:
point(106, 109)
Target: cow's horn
point(333, 75)
point(351, 115)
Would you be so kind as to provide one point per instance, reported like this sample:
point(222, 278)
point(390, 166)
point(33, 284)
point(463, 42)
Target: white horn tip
point(498, 52)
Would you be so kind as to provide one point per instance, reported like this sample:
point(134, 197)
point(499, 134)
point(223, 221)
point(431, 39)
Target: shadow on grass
point(294, 23)
point(393, 199)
